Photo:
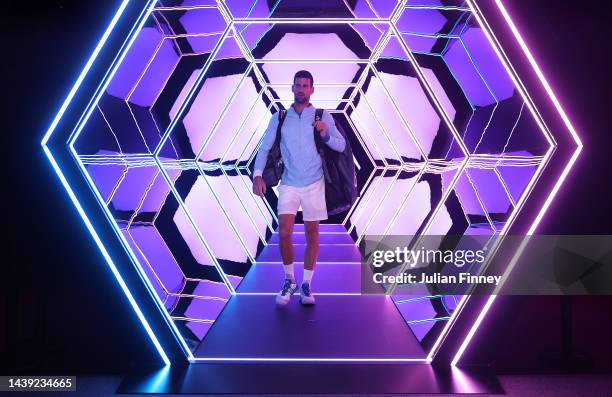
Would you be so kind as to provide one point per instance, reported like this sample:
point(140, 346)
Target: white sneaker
point(284, 296)
point(306, 296)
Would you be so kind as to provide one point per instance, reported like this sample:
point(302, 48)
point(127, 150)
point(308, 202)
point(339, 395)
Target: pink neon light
point(561, 179)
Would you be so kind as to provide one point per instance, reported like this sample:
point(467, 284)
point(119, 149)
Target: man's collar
point(306, 108)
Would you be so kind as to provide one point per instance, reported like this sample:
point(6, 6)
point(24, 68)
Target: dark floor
point(514, 385)
point(254, 327)
point(338, 326)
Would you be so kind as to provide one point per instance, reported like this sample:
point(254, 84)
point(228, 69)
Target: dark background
point(62, 309)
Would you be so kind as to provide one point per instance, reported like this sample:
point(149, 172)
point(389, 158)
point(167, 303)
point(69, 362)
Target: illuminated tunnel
point(446, 141)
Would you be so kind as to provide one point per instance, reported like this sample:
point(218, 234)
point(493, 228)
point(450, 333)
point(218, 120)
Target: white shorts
point(311, 198)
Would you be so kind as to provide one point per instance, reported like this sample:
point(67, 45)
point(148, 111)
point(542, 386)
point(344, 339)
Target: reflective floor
point(339, 326)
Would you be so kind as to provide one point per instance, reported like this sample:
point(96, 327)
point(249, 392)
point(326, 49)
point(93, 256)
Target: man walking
point(302, 180)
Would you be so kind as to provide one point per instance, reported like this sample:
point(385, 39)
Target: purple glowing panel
point(119, 116)
point(526, 138)
point(212, 223)
point(372, 135)
point(366, 205)
point(389, 121)
point(182, 96)
point(462, 68)
point(363, 9)
point(394, 50)
point(412, 215)
point(421, 330)
point(419, 28)
point(196, 3)
point(204, 309)
point(211, 289)
point(310, 47)
point(389, 204)
point(490, 190)
point(416, 108)
point(233, 206)
point(191, 238)
point(199, 329)
point(229, 48)
point(421, 20)
point(97, 138)
point(254, 205)
point(158, 192)
point(487, 63)
point(161, 292)
point(252, 33)
point(106, 177)
point(235, 280)
point(516, 178)
point(419, 44)
point(133, 188)
point(155, 76)
point(202, 44)
point(249, 135)
point(248, 8)
point(158, 257)
point(231, 120)
point(371, 34)
point(441, 224)
point(467, 196)
point(135, 63)
point(207, 107)
point(381, 8)
point(202, 21)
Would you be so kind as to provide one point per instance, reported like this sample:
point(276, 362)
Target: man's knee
point(285, 233)
point(312, 232)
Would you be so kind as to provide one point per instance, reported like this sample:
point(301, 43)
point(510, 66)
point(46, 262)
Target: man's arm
point(333, 138)
point(266, 145)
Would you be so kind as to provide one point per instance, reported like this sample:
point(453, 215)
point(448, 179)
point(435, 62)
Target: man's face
point(302, 90)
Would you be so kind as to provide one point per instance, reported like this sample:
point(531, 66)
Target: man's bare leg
point(286, 237)
point(310, 259)
point(312, 244)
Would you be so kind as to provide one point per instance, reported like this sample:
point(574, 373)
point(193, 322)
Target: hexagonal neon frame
point(60, 118)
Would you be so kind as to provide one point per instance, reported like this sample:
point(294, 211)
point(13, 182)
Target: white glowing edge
point(487, 306)
point(313, 359)
point(561, 178)
point(72, 195)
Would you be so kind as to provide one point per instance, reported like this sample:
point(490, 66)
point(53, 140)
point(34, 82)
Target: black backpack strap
point(281, 119)
point(320, 145)
point(317, 135)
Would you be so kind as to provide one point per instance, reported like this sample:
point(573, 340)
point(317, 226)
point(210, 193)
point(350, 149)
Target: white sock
point(307, 276)
point(289, 272)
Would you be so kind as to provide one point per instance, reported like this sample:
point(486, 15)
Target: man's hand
point(321, 127)
point(259, 186)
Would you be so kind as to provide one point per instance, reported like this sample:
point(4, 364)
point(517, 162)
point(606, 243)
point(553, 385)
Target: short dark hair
point(304, 74)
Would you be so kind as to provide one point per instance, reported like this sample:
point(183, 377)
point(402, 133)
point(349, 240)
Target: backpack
point(274, 164)
point(339, 172)
point(338, 168)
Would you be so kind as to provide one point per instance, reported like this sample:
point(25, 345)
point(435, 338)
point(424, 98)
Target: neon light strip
point(301, 359)
point(561, 179)
point(101, 89)
point(88, 65)
point(106, 256)
point(301, 21)
point(71, 193)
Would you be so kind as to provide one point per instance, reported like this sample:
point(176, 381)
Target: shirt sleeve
point(334, 138)
point(268, 140)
